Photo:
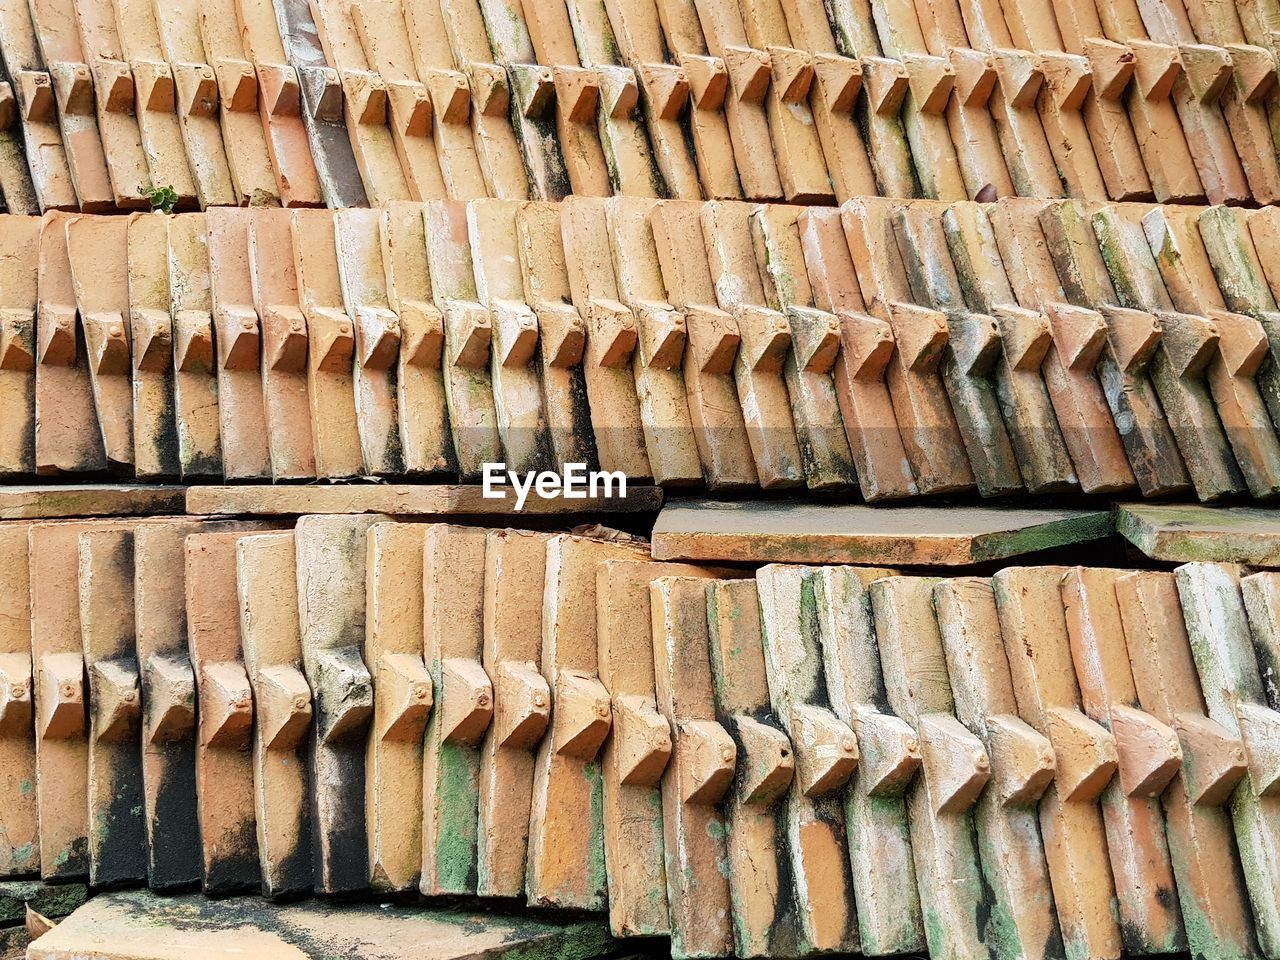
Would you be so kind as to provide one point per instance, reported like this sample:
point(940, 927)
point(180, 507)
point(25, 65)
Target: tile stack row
point(1053, 762)
point(108, 104)
point(887, 349)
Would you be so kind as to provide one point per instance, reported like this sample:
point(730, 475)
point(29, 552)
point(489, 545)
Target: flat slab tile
point(1187, 533)
point(404, 499)
point(87, 500)
point(138, 925)
point(14, 942)
point(52, 900)
point(781, 532)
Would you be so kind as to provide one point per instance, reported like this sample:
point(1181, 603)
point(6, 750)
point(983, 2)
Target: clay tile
point(467, 700)
point(1086, 754)
point(815, 337)
point(450, 95)
point(577, 91)
point(421, 333)
point(343, 695)
point(642, 739)
point(536, 87)
point(61, 698)
point(473, 332)
point(115, 82)
point(867, 345)
point(117, 704)
point(886, 83)
point(227, 705)
point(1190, 341)
point(324, 90)
point(404, 695)
point(516, 335)
point(287, 349)
point(826, 748)
point(37, 94)
point(956, 762)
point(1156, 68)
point(792, 73)
point(196, 89)
point(74, 86)
point(766, 337)
point(526, 699)
point(193, 341)
point(667, 87)
point(1215, 761)
point(1020, 75)
point(284, 706)
point(1026, 337)
point(152, 332)
point(1134, 336)
point(921, 335)
point(367, 95)
point(489, 89)
point(1208, 70)
point(379, 337)
point(280, 90)
point(708, 754)
point(1069, 78)
point(413, 107)
point(769, 761)
point(106, 338)
point(663, 335)
point(1260, 730)
point(56, 335)
point(931, 80)
point(241, 338)
point(708, 80)
point(171, 699)
point(583, 716)
point(1149, 752)
point(332, 339)
point(1254, 70)
point(1113, 65)
point(1023, 759)
point(238, 85)
point(1242, 341)
point(563, 334)
point(621, 93)
point(713, 338)
point(975, 76)
point(974, 342)
point(156, 90)
point(15, 347)
point(889, 753)
point(840, 79)
point(750, 70)
point(616, 325)
point(1079, 334)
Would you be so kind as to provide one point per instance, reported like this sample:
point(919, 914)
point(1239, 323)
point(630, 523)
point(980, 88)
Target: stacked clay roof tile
point(918, 362)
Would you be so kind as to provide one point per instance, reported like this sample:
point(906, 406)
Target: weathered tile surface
point(776, 532)
point(181, 926)
point(331, 558)
point(270, 638)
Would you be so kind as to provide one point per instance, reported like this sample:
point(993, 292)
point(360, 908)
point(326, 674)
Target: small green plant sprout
point(163, 199)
